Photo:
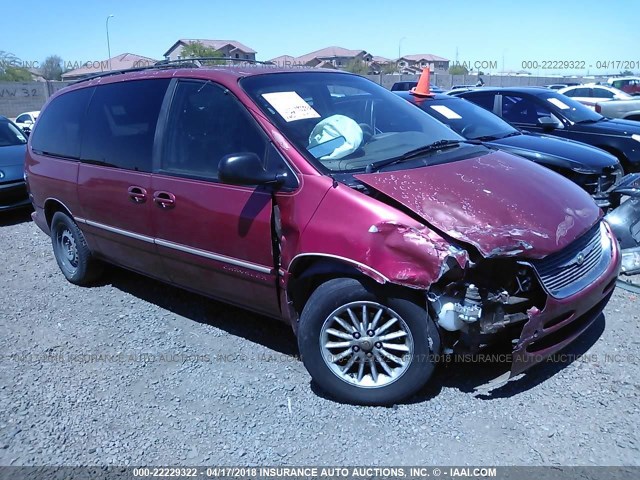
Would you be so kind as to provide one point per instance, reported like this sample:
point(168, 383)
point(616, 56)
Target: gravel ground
point(133, 372)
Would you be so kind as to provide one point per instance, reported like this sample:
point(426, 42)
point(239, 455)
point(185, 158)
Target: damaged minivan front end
point(520, 265)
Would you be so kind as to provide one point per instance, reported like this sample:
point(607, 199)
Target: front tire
point(71, 251)
point(363, 344)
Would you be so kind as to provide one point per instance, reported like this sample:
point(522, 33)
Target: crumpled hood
point(501, 204)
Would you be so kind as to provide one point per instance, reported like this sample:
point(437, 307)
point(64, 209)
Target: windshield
point(343, 122)
point(10, 135)
point(467, 119)
point(574, 111)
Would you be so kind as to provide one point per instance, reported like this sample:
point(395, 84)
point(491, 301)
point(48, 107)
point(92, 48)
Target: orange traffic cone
point(423, 89)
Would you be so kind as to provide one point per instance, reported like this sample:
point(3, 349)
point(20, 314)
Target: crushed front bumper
point(562, 320)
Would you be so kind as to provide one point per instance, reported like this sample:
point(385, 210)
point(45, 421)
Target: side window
point(206, 122)
point(121, 124)
point(22, 118)
point(517, 109)
point(484, 100)
point(578, 92)
point(602, 93)
point(58, 131)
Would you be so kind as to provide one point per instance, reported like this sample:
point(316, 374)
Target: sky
point(503, 32)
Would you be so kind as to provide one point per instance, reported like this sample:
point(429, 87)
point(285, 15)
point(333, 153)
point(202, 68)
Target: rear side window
point(58, 132)
point(121, 124)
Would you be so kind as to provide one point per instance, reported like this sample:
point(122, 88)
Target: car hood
point(501, 204)
point(554, 151)
point(12, 155)
point(613, 126)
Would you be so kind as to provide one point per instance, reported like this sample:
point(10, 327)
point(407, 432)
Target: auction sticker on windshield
point(290, 106)
point(446, 112)
point(558, 103)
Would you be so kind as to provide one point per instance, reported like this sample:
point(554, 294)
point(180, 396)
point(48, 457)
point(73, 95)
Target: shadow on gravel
point(256, 328)
point(466, 376)
point(14, 217)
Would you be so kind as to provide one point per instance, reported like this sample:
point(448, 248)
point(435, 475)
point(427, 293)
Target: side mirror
point(547, 123)
point(246, 169)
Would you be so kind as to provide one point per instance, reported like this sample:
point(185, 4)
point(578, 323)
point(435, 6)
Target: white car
point(606, 100)
point(26, 120)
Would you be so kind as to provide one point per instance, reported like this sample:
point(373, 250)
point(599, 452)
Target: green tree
point(198, 49)
point(458, 70)
point(357, 66)
point(10, 71)
point(389, 68)
point(626, 73)
point(52, 68)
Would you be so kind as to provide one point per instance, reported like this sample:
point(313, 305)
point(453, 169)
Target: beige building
point(228, 48)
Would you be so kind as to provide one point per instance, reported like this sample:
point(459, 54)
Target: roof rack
point(191, 62)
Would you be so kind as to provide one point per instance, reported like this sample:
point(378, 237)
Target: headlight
point(636, 137)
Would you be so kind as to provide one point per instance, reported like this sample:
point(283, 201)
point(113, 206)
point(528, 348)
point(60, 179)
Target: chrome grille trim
point(571, 270)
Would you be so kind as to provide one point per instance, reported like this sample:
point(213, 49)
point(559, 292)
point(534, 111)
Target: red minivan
point(322, 199)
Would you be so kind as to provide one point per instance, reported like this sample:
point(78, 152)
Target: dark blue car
point(13, 144)
point(546, 111)
point(593, 169)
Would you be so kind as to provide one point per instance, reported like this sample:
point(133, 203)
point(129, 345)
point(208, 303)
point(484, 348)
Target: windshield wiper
point(416, 152)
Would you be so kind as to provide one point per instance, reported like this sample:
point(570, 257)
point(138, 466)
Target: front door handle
point(164, 199)
point(137, 194)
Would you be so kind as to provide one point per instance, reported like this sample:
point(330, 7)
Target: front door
point(213, 238)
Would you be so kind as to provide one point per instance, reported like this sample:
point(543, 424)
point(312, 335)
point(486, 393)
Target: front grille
point(573, 268)
point(594, 183)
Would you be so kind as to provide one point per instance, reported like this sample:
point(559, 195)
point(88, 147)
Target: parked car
point(630, 85)
point(13, 145)
point(545, 111)
point(26, 121)
point(608, 101)
point(556, 86)
point(595, 170)
point(377, 232)
point(406, 86)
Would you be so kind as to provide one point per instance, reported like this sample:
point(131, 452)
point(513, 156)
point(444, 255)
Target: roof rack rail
point(190, 62)
point(199, 60)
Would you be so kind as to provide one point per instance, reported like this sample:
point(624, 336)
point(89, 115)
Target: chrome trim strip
point(213, 256)
point(177, 246)
point(119, 231)
point(337, 257)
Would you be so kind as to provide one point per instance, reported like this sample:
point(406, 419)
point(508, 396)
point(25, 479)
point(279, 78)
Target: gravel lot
point(133, 372)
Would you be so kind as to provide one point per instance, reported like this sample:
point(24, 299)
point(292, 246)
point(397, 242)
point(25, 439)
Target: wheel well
point(308, 273)
point(621, 156)
point(51, 207)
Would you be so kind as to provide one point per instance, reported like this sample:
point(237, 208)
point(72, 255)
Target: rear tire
point(71, 251)
point(366, 345)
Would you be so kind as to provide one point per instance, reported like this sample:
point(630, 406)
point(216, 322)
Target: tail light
point(598, 108)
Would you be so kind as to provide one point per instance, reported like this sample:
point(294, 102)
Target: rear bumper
point(39, 219)
point(561, 321)
point(13, 195)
